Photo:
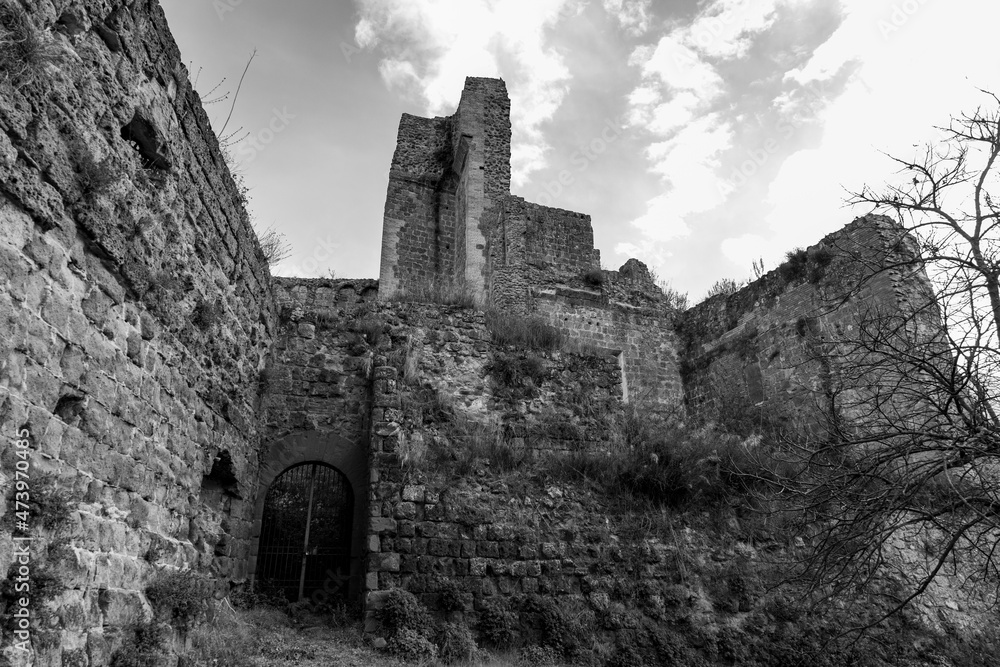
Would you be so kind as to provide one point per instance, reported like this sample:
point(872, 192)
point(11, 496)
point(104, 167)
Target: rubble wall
point(774, 343)
point(135, 316)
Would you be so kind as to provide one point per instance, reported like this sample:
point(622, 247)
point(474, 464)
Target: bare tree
point(910, 456)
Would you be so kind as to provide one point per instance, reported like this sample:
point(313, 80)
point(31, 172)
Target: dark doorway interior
point(305, 538)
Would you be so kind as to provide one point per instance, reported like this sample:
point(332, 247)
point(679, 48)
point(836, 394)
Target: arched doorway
point(306, 534)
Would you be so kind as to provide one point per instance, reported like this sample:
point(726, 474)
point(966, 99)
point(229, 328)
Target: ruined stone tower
point(446, 174)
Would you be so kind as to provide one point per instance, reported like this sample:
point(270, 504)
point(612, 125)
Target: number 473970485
point(22, 465)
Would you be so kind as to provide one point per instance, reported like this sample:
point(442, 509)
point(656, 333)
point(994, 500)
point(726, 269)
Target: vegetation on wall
point(530, 333)
point(516, 375)
point(178, 596)
point(23, 51)
point(594, 278)
point(445, 294)
point(808, 265)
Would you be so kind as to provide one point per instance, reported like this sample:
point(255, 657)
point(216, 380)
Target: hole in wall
point(221, 479)
point(69, 24)
point(70, 408)
point(143, 137)
point(109, 37)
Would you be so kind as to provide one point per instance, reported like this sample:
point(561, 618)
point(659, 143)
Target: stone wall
point(482, 135)
point(362, 385)
point(530, 245)
point(422, 526)
point(542, 263)
point(645, 342)
point(445, 173)
point(317, 397)
point(779, 342)
point(135, 315)
point(315, 377)
point(418, 234)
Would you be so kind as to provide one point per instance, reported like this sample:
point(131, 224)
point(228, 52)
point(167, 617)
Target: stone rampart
point(136, 310)
point(774, 343)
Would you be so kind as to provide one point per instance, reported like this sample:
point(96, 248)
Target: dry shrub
point(530, 333)
point(273, 244)
point(446, 295)
point(666, 461)
point(23, 51)
point(230, 640)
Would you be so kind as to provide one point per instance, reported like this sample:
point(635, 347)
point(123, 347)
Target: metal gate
point(305, 535)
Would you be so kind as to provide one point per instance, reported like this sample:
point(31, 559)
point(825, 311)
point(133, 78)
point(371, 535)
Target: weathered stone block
point(121, 607)
point(405, 510)
point(384, 562)
point(414, 493)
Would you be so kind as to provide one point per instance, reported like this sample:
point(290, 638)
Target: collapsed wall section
point(787, 341)
point(530, 245)
point(645, 343)
point(136, 314)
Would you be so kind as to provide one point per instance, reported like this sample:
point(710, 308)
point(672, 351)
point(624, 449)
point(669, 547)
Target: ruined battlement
point(451, 221)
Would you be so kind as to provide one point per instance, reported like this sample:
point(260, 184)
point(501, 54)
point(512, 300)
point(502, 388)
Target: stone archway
point(329, 449)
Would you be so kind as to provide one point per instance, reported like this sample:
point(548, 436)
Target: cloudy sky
point(699, 135)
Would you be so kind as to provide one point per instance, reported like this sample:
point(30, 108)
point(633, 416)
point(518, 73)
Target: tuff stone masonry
point(158, 379)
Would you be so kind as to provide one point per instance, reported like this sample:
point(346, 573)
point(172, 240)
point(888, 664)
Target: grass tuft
point(23, 51)
point(177, 596)
point(530, 333)
point(446, 295)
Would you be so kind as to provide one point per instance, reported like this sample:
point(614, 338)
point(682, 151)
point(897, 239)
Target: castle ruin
point(162, 383)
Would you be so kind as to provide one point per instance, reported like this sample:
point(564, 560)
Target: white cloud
point(688, 162)
point(677, 66)
point(727, 28)
point(633, 15)
point(746, 249)
point(428, 47)
point(680, 85)
point(915, 64)
point(398, 73)
point(676, 113)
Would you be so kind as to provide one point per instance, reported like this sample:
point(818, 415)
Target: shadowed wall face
point(136, 310)
point(790, 342)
